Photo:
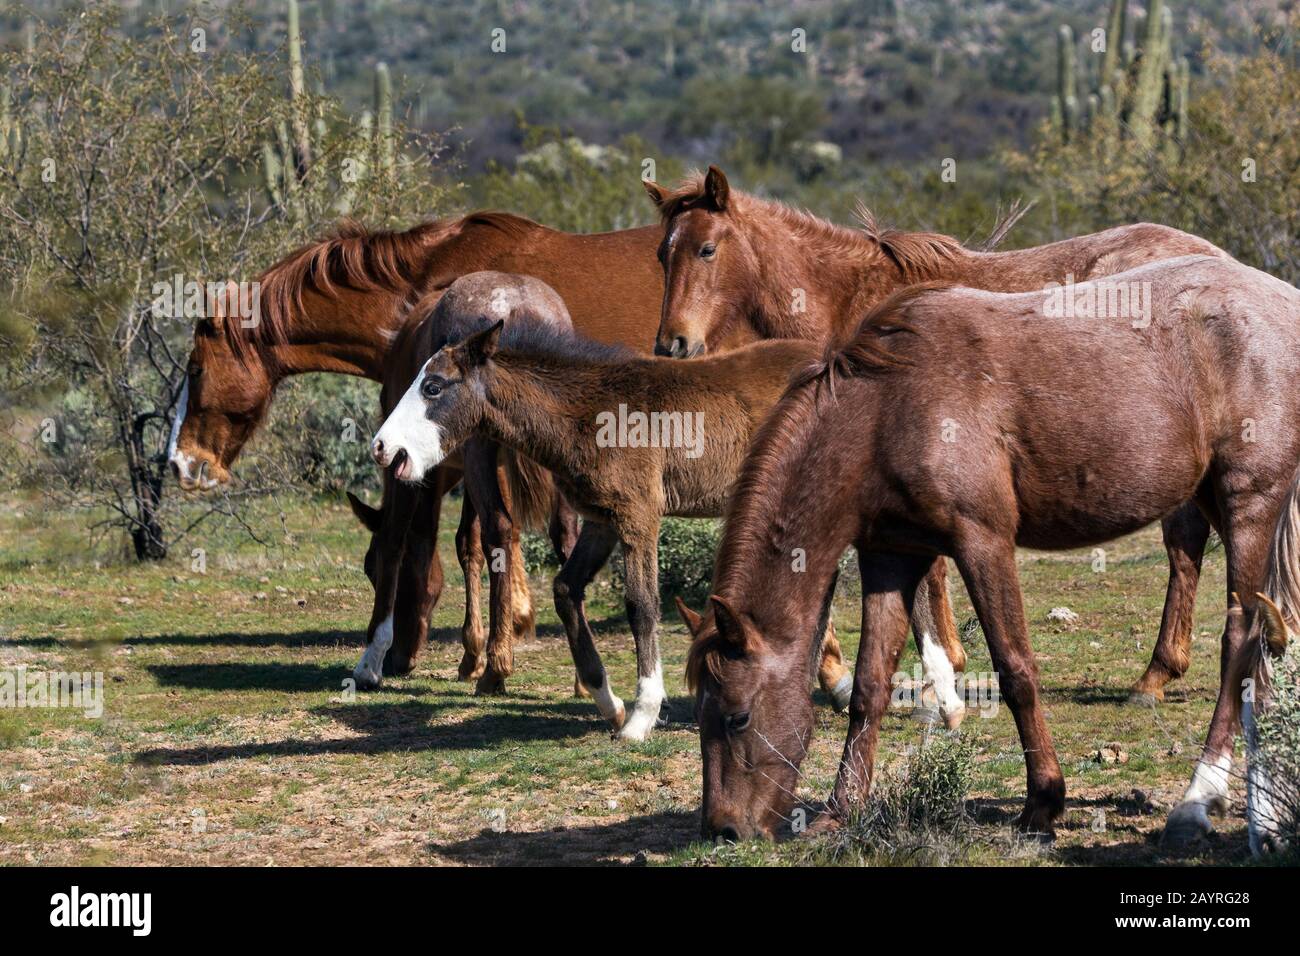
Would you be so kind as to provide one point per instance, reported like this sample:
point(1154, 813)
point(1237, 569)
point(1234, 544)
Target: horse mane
point(354, 257)
point(919, 256)
point(780, 438)
point(535, 337)
point(1282, 587)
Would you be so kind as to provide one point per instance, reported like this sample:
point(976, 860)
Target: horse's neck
point(535, 410)
point(799, 526)
point(351, 338)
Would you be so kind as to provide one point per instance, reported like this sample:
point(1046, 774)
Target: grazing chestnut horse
point(1270, 652)
point(739, 268)
point(1057, 432)
point(628, 439)
point(339, 305)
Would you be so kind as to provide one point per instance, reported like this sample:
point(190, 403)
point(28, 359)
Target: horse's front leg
point(938, 643)
point(987, 561)
point(889, 585)
point(592, 550)
point(469, 551)
point(482, 481)
point(390, 542)
point(641, 594)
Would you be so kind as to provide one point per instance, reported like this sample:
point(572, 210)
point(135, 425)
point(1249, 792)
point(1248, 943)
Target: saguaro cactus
point(1066, 83)
point(386, 145)
point(1149, 84)
point(298, 93)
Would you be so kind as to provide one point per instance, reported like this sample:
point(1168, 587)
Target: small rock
point(25, 788)
point(125, 600)
point(281, 589)
point(264, 580)
point(259, 596)
point(1174, 749)
point(1062, 614)
point(1111, 754)
point(611, 804)
point(3, 821)
point(302, 602)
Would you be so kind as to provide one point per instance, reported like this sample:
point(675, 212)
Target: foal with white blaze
point(546, 394)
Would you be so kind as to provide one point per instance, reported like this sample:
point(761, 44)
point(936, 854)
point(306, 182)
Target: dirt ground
point(227, 737)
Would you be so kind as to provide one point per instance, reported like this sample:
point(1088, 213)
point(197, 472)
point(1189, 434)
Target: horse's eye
point(707, 250)
point(431, 388)
point(736, 723)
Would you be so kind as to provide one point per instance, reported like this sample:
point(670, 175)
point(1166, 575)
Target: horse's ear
point(730, 624)
point(716, 189)
point(658, 195)
point(1276, 632)
point(481, 346)
point(367, 515)
point(691, 619)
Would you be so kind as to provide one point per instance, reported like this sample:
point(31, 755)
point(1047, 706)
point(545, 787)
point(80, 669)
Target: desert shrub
point(914, 814)
point(539, 554)
point(686, 550)
point(1278, 748)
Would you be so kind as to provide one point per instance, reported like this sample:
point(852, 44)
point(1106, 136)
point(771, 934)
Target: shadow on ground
point(609, 844)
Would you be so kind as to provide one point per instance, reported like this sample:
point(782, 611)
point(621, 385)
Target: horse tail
point(532, 490)
point(1277, 612)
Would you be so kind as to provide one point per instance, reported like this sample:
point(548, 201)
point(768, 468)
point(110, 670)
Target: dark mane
point(918, 255)
point(357, 258)
point(535, 337)
point(868, 351)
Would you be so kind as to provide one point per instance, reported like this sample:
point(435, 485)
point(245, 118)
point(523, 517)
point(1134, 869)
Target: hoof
point(1188, 824)
point(638, 726)
point(824, 822)
point(1147, 701)
point(925, 715)
point(471, 668)
point(618, 720)
point(579, 689)
point(841, 693)
point(367, 679)
point(1035, 828)
point(952, 720)
point(490, 685)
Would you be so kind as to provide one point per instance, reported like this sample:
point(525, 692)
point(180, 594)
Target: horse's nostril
point(679, 347)
point(377, 450)
point(661, 349)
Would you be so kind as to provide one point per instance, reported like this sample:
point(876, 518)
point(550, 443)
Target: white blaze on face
point(369, 671)
point(408, 429)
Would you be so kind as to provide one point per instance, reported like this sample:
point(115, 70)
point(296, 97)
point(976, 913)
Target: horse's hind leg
point(835, 678)
point(469, 551)
point(987, 562)
point(563, 532)
point(595, 543)
point(938, 643)
point(1246, 522)
point(1185, 534)
point(889, 586)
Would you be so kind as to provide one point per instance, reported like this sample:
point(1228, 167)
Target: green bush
point(686, 550)
point(1278, 747)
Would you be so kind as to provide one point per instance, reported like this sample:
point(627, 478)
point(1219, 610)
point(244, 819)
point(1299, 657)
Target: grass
point(227, 736)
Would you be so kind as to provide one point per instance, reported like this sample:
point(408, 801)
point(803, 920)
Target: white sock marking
point(645, 711)
point(369, 671)
point(1209, 784)
point(938, 670)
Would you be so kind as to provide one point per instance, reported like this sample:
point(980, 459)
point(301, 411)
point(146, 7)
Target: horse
point(340, 304)
point(739, 268)
point(1052, 433)
point(498, 482)
point(1272, 792)
point(629, 440)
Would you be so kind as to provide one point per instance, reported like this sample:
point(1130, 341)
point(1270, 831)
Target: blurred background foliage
point(820, 103)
